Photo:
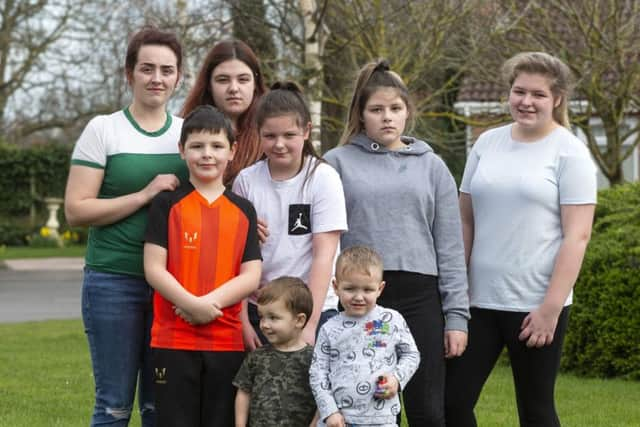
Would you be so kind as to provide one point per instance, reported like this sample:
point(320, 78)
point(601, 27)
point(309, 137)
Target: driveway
point(40, 290)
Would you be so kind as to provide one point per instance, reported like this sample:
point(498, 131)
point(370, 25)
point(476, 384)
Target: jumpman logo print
point(299, 219)
point(298, 224)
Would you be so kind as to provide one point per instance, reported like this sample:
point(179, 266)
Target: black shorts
point(194, 388)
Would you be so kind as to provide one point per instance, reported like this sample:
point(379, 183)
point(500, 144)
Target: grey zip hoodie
point(404, 204)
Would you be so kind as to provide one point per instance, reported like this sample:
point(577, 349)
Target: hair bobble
point(287, 85)
point(382, 65)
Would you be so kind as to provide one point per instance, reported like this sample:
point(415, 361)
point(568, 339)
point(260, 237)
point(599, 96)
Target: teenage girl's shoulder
point(495, 133)
point(324, 170)
point(491, 139)
point(569, 144)
point(101, 121)
point(333, 154)
point(176, 122)
point(177, 119)
point(343, 156)
point(253, 171)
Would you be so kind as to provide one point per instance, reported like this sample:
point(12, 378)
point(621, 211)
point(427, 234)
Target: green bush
point(28, 175)
point(39, 241)
point(603, 338)
point(13, 233)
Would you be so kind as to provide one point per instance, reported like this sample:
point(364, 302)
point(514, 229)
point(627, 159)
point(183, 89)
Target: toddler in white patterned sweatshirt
point(364, 355)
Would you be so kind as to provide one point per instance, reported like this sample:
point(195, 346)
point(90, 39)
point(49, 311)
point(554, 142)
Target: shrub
point(28, 175)
point(604, 326)
point(13, 233)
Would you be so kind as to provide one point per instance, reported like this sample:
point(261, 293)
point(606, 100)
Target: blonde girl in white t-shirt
point(527, 201)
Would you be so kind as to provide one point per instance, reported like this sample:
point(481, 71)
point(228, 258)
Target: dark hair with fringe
point(150, 35)
point(206, 118)
point(372, 77)
point(248, 150)
point(296, 295)
point(286, 98)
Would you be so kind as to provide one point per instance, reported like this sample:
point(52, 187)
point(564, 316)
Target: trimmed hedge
point(48, 164)
point(43, 166)
point(603, 338)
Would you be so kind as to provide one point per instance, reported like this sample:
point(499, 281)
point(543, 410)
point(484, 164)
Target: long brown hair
point(556, 71)
point(248, 149)
point(373, 76)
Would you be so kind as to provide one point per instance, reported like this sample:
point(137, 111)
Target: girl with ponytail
point(402, 201)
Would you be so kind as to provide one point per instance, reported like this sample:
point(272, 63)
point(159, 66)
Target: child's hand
point(263, 230)
point(335, 420)
point(309, 334)
point(199, 312)
point(250, 337)
point(387, 387)
point(183, 315)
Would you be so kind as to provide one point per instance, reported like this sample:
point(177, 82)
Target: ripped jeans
point(117, 315)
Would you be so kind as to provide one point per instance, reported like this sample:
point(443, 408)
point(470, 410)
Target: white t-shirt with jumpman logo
point(293, 210)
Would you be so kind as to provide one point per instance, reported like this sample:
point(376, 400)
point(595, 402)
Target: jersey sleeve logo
point(299, 219)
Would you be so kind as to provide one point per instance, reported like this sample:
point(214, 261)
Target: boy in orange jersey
point(202, 257)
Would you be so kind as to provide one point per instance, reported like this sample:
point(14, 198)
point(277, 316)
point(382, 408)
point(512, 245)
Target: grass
point(45, 380)
point(16, 252)
point(581, 402)
point(45, 375)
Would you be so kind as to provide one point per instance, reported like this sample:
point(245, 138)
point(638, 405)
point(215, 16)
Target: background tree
point(288, 36)
point(63, 61)
point(29, 33)
point(426, 43)
point(250, 25)
point(599, 41)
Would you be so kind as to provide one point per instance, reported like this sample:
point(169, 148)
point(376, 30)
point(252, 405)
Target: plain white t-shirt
point(293, 212)
point(516, 190)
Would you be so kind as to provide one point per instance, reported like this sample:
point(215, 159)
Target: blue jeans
point(117, 311)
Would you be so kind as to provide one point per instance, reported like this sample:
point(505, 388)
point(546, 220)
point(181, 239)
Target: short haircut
point(150, 35)
point(360, 259)
point(296, 295)
point(206, 118)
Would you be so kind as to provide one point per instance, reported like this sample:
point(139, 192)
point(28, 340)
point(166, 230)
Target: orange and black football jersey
point(206, 244)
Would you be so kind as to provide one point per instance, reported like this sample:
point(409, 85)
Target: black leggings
point(534, 369)
point(417, 298)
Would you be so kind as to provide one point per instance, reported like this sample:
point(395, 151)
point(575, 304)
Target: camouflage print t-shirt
point(278, 383)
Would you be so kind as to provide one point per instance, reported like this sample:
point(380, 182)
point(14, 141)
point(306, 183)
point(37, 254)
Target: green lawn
point(45, 380)
point(16, 252)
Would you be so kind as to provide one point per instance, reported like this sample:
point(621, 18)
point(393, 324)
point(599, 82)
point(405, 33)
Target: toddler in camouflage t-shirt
point(273, 381)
